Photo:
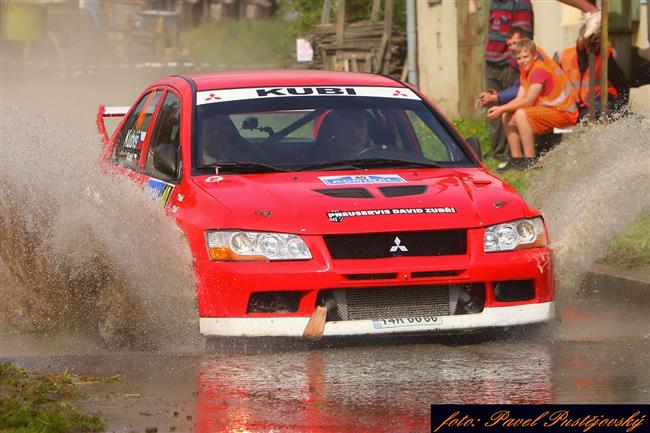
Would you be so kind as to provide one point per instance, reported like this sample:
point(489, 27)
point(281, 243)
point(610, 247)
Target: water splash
point(589, 188)
point(83, 252)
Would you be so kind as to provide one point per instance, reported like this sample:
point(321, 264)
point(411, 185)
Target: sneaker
point(508, 165)
point(592, 23)
point(516, 164)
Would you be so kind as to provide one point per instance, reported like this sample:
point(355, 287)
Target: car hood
point(378, 200)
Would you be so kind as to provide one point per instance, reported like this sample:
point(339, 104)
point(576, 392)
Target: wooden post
point(385, 39)
point(604, 58)
point(374, 13)
point(340, 22)
point(327, 11)
point(591, 100)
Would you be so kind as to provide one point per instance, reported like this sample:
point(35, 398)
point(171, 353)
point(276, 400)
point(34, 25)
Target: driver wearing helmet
point(343, 134)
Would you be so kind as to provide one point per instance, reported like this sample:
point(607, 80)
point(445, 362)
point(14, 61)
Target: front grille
point(392, 302)
point(380, 245)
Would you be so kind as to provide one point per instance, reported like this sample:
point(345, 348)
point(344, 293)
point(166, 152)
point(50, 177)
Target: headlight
point(251, 246)
point(515, 235)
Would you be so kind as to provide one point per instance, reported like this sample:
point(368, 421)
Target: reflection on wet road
point(592, 355)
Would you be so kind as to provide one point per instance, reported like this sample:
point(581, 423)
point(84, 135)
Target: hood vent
point(400, 191)
point(346, 192)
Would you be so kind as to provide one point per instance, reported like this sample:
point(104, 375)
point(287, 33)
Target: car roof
point(287, 78)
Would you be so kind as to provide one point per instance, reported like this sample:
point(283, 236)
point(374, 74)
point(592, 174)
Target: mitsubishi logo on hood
point(397, 246)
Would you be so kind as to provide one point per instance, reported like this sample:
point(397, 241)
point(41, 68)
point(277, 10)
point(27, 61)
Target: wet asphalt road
point(592, 354)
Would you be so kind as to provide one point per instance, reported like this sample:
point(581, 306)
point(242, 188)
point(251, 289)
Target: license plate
point(406, 321)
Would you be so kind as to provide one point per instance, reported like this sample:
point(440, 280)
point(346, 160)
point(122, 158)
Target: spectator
point(499, 75)
point(592, 14)
point(491, 96)
point(545, 100)
point(575, 63)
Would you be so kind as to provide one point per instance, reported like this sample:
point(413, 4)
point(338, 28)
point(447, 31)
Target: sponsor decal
point(336, 216)
point(228, 95)
point(213, 179)
point(212, 96)
point(134, 139)
point(160, 190)
point(303, 91)
point(361, 179)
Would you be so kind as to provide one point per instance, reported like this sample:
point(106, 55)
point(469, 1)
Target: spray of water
point(84, 252)
point(590, 187)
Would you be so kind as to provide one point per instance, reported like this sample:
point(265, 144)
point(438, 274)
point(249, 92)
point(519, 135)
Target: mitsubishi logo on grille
point(398, 246)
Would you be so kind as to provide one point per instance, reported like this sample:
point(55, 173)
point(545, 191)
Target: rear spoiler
point(104, 111)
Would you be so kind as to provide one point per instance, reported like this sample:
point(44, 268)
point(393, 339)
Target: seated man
point(221, 142)
point(343, 134)
point(575, 63)
point(492, 96)
point(544, 100)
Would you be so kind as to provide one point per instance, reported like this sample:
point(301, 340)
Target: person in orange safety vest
point(575, 63)
point(545, 100)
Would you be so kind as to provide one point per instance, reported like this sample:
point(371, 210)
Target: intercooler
point(392, 302)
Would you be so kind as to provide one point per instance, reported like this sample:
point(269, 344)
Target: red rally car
point(331, 203)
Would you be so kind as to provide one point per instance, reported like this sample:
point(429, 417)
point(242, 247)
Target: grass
point(477, 127)
point(243, 44)
point(40, 403)
point(631, 248)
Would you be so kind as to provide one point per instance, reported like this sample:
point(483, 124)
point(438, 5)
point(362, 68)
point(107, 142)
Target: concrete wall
point(438, 53)
point(548, 35)
point(640, 97)
point(641, 39)
point(437, 39)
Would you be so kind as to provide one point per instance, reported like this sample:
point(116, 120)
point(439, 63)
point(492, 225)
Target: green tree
point(308, 13)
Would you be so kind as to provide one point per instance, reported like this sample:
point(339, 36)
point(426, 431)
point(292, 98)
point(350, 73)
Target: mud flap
point(316, 325)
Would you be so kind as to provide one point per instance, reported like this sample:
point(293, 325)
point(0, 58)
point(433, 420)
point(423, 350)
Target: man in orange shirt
point(575, 63)
point(544, 101)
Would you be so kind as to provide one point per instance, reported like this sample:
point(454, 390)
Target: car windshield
point(302, 133)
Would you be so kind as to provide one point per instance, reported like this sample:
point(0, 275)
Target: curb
point(607, 283)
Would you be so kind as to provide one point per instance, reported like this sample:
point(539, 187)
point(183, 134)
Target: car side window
point(432, 146)
point(129, 142)
point(165, 131)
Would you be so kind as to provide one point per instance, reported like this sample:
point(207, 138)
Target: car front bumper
point(495, 317)
point(225, 289)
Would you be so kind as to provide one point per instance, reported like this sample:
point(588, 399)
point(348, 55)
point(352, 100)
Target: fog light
point(513, 291)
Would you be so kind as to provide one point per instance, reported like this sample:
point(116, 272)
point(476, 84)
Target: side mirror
point(165, 159)
point(475, 144)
